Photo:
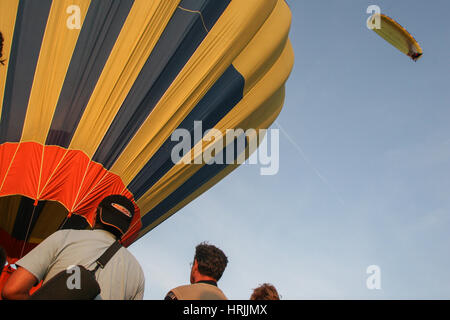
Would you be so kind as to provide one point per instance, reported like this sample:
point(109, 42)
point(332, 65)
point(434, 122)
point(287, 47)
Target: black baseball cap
point(117, 212)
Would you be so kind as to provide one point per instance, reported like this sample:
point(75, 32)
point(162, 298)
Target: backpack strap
point(107, 255)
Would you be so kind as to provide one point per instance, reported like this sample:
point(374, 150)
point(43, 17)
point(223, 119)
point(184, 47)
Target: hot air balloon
point(396, 35)
point(91, 92)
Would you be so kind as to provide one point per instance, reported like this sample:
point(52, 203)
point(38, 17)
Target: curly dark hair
point(266, 291)
point(211, 260)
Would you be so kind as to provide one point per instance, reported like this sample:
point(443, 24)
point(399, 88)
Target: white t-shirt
point(121, 279)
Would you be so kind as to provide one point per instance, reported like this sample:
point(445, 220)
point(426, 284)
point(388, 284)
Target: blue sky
point(364, 173)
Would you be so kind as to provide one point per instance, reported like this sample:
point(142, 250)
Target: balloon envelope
point(92, 91)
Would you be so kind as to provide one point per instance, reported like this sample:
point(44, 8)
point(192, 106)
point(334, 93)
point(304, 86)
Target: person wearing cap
point(121, 279)
point(207, 269)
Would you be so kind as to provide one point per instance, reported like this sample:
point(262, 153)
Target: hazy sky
point(364, 173)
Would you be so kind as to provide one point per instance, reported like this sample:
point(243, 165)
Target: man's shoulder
point(175, 292)
point(88, 234)
point(57, 237)
point(193, 286)
point(81, 240)
point(180, 288)
point(125, 252)
point(70, 232)
point(196, 291)
point(184, 286)
point(131, 259)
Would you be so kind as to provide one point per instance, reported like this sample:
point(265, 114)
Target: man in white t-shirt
point(121, 279)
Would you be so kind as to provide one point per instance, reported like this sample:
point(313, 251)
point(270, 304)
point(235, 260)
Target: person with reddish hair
point(2, 62)
point(266, 291)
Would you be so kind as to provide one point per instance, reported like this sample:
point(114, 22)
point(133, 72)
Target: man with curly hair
point(207, 269)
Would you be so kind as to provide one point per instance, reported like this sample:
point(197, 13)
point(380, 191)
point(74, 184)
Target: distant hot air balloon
point(89, 110)
point(396, 35)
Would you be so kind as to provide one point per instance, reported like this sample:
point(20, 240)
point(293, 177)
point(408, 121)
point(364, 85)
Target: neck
point(200, 277)
point(101, 227)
